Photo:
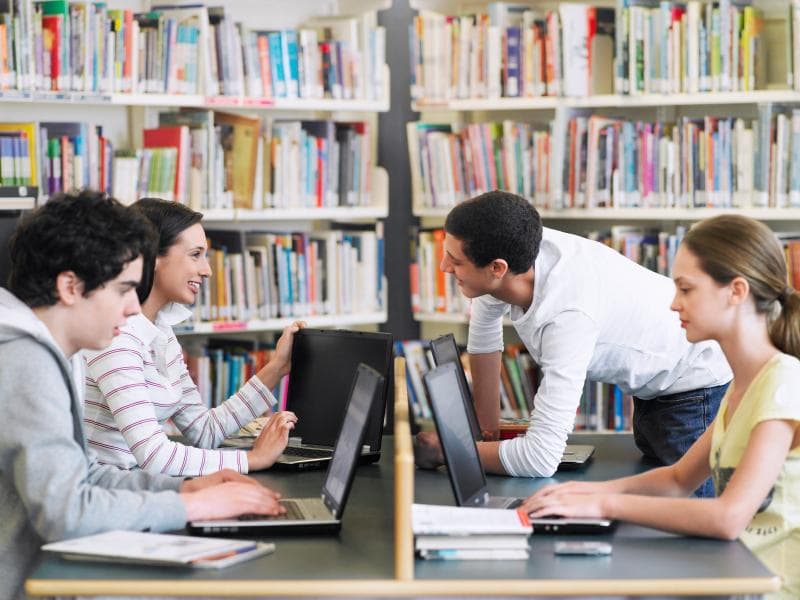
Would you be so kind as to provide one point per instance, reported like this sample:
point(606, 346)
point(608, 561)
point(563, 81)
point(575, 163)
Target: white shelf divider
point(227, 327)
point(645, 214)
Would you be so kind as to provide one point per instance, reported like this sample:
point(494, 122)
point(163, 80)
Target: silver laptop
point(463, 463)
point(323, 514)
point(445, 351)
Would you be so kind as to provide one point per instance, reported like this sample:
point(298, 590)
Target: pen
point(227, 554)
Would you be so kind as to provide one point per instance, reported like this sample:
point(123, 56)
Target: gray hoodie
point(51, 485)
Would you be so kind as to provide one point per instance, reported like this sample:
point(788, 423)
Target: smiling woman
point(139, 382)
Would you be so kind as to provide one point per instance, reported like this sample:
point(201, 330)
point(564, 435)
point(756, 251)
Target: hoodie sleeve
point(51, 472)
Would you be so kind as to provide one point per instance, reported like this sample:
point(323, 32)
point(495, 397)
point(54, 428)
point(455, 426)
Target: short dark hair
point(497, 225)
point(86, 232)
point(169, 220)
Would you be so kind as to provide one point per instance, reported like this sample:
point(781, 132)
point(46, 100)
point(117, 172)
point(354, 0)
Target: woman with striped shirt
point(139, 382)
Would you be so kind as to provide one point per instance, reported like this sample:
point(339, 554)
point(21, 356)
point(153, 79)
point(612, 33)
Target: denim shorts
point(665, 427)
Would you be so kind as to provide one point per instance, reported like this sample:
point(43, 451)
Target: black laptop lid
point(458, 445)
point(324, 363)
point(366, 387)
point(444, 351)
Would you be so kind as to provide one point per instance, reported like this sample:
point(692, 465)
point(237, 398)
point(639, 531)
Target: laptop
point(324, 362)
point(323, 514)
point(463, 463)
point(445, 351)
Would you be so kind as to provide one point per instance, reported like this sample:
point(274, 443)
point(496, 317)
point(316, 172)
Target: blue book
point(512, 61)
point(290, 67)
point(276, 64)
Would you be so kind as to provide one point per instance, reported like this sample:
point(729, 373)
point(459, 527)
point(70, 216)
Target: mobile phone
point(583, 548)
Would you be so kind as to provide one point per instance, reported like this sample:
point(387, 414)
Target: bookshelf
point(470, 69)
point(349, 91)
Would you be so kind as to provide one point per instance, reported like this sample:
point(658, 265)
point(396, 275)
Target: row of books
point(220, 367)
point(605, 162)
point(673, 47)
point(451, 163)
point(604, 407)
point(512, 51)
point(86, 46)
point(706, 162)
point(206, 159)
point(580, 50)
point(270, 275)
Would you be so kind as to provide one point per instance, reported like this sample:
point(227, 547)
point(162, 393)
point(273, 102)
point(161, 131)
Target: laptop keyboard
point(306, 452)
point(292, 513)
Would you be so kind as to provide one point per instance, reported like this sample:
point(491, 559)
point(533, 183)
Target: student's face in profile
point(106, 309)
point(473, 281)
point(700, 301)
point(181, 271)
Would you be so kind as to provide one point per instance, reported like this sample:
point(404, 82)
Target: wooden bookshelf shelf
point(228, 327)
point(704, 99)
point(344, 214)
point(645, 214)
point(17, 203)
point(194, 101)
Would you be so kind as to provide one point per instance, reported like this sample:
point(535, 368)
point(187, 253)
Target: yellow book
point(31, 131)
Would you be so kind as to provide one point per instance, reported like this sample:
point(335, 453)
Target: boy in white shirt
point(583, 311)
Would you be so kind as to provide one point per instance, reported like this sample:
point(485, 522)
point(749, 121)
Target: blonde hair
point(732, 246)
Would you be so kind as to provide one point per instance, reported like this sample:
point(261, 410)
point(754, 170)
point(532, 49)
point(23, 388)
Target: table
point(360, 560)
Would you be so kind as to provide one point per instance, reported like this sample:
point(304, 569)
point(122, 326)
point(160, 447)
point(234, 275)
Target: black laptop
point(322, 514)
point(445, 351)
point(324, 362)
point(463, 463)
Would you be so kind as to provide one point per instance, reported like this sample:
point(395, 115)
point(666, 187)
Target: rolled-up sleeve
point(567, 347)
point(486, 325)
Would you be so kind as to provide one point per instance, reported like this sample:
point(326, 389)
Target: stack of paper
point(160, 549)
point(453, 533)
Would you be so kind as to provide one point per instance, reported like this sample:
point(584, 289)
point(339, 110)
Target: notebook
point(463, 463)
point(324, 363)
point(444, 351)
point(322, 514)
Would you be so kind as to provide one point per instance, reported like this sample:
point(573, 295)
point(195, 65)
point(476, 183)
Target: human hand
point(428, 450)
point(271, 441)
point(564, 501)
point(199, 483)
point(231, 499)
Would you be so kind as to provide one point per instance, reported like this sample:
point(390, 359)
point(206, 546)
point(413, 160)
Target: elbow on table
point(729, 522)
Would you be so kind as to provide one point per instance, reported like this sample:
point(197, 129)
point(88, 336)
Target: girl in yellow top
point(730, 278)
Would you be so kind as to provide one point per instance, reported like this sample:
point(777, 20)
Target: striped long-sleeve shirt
point(141, 381)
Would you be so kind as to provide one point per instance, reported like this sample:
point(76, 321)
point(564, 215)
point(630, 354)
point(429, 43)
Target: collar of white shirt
point(167, 317)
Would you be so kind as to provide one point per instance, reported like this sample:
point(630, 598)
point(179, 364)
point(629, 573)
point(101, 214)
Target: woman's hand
point(281, 362)
point(571, 499)
point(198, 483)
point(271, 441)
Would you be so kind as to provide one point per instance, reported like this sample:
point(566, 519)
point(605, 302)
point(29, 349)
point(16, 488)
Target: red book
point(264, 64)
point(51, 34)
point(173, 137)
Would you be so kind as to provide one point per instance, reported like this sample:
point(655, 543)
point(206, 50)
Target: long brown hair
point(732, 246)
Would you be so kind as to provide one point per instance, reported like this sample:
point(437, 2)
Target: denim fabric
point(665, 427)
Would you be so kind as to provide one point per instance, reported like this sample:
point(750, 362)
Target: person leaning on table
point(583, 311)
point(75, 265)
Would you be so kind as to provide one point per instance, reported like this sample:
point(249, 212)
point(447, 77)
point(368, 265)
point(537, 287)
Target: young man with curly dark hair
point(75, 265)
point(583, 311)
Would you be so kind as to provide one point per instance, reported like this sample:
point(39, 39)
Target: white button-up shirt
point(598, 315)
point(139, 382)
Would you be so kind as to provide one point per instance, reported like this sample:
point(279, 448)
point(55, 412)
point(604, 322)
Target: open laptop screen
point(460, 452)
point(367, 385)
point(444, 351)
point(324, 363)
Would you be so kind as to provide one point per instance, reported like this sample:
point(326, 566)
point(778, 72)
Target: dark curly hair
point(497, 225)
point(169, 220)
point(85, 232)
